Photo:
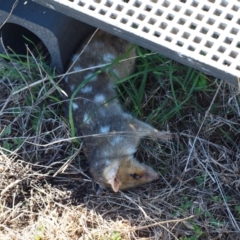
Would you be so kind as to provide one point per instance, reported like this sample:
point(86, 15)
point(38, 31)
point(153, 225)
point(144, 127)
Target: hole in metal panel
point(210, 21)
point(233, 54)
point(193, 26)
point(108, 3)
point(228, 40)
point(234, 31)
point(221, 49)
point(238, 68)
point(148, 8)
point(224, 3)
point(199, 17)
point(235, 8)
point(215, 58)
point(238, 45)
point(204, 30)
point(130, 12)
point(217, 12)
point(212, 1)
point(152, 21)
point(170, 17)
point(215, 35)
point(134, 25)
point(168, 39)
point(226, 63)
point(186, 35)
point(188, 12)
point(197, 39)
point(163, 25)
point(208, 44)
point(229, 17)
point(154, 1)
point(181, 21)
point(113, 16)
point(179, 43)
point(222, 26)
point(141, 17)
point(102, 12)
point(81, 4)
point(158, 13)
point(145, 29)
point(205, 8)
point(156, 34)
point(175, 31)
point(203, 53)
point(194, 3)
point(119, 8)
point(166, 4)
point(124, 20)
point(176, 8)
point(238, 21)
point(191, 48)
point(183, 1)
point(137, 4)
point(92, 8)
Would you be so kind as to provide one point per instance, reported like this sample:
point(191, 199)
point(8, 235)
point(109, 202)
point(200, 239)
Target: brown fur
point(127, 173)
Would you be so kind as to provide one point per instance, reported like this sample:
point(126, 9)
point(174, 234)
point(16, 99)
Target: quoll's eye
point(135, 176)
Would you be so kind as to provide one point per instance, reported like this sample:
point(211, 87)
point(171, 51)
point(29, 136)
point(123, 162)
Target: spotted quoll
point(111, 135)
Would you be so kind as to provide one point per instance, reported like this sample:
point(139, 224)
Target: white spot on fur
point(66, 79)
point(104, 129)
point(72, 87)
point(75, 57)
point(86, 118)
point(130, 150)
point(74, 106)
point(107, 161)
point(90, 75)
point(108, 57)
point(86, 89)
point(116, 140)
point(77, 68)
point(99, 98)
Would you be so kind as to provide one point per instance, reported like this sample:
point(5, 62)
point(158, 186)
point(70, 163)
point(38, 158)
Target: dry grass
point(45, 192)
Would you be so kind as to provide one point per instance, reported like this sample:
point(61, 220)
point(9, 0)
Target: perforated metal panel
point(204, 34)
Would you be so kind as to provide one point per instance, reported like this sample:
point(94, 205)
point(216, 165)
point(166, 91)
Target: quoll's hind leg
point(144, 130)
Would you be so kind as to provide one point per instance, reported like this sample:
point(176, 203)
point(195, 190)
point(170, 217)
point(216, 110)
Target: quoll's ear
point(115, 183)
point(111, 177)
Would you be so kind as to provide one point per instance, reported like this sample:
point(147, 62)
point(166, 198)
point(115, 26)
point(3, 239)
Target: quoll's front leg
point(146, 130)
